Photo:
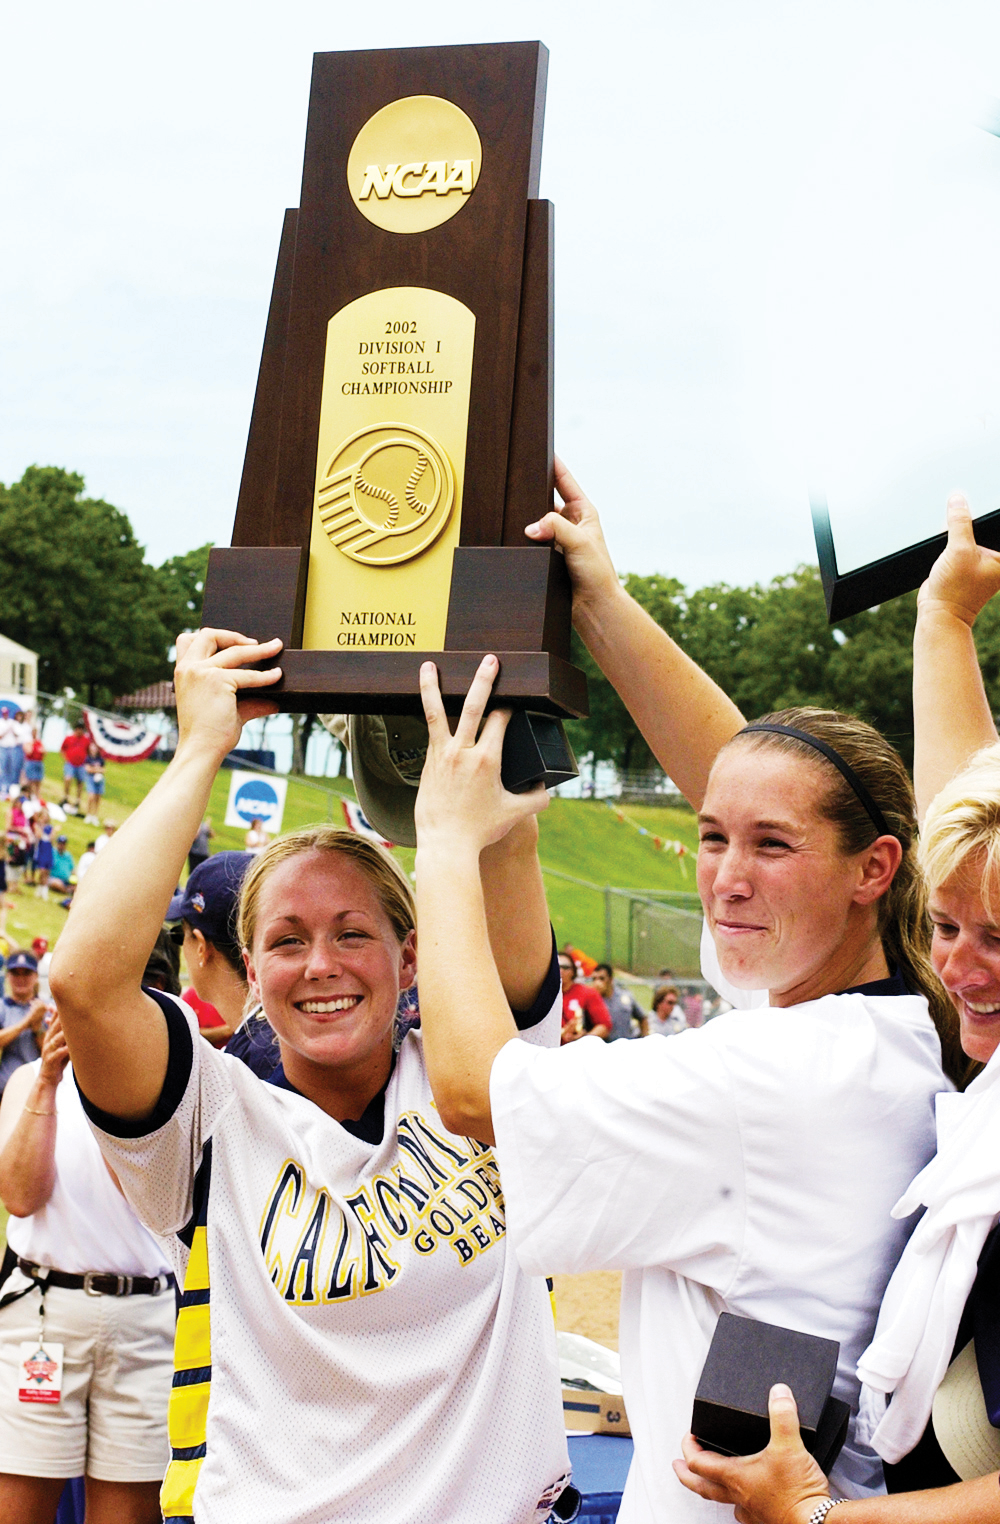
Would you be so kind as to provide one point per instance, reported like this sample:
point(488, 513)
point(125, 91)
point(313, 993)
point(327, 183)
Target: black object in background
point(848, 593)
point(744, 1361)
point(535, 750)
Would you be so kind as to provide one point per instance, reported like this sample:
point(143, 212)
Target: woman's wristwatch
point(820, 1512)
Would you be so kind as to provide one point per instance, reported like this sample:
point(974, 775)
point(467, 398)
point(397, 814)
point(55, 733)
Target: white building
point(18, 674)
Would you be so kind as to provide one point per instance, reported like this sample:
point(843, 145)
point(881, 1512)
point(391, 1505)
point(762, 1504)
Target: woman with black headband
point(750, 1165)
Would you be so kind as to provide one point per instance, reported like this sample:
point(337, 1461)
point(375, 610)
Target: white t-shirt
point(86, 1224)
point(353, 1316)
point(748, 1166)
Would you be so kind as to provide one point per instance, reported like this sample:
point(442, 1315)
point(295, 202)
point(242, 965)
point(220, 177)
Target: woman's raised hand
point(55, 1054)
point(965, 575)
point(461, 797)
point(576, 529)
point(781, 1485)
point(214, 686)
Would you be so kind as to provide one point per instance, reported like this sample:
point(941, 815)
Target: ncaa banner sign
point(252, 796)
point(121, 740)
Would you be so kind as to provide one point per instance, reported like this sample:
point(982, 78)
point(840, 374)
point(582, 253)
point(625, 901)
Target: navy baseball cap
point(208, 900)
point(22, 960)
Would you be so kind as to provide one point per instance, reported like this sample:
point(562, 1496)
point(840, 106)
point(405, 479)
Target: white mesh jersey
point(355, 1339)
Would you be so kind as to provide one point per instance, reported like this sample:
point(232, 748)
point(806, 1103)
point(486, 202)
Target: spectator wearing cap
point(205, 910)
point(62, 866)
point(22, 1012)
point(74, 749)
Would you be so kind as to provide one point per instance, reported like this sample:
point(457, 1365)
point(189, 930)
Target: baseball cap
point(40, 946)
point(387, 757)
point(208, 899)
point(22, 960)
point(61, 839)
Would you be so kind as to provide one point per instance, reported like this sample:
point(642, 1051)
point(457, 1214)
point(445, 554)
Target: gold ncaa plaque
point(414, 164)
point(390, 466)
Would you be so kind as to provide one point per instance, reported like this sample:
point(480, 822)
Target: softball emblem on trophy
point(386, 495)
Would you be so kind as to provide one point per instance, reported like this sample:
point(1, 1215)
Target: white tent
point(18, 674)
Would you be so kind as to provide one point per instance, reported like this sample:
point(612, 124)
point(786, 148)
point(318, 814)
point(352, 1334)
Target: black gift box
point(745, 1360)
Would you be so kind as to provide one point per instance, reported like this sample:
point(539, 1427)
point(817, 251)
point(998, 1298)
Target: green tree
point(770, 647)
point(75, 588)
point(182, 583)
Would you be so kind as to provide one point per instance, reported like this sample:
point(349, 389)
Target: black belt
point(95, 1283)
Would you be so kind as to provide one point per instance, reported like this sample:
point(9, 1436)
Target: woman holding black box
point(749, 1166)
point(936, 1353)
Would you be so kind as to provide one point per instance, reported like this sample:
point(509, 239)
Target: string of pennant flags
point(661, 843)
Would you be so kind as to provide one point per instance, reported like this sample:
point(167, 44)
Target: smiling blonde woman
point(355, 1339)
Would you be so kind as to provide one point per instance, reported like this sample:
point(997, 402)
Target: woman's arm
point(461, 809)
point(517, 917)
point(119, 907)
point(784, 1485)
point(685, 717)
point(951, 714)
point(28, 1129)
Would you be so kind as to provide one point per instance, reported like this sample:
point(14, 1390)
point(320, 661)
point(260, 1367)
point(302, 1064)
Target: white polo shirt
point(748, 1166)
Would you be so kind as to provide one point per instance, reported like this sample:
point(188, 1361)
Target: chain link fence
point(640, 931)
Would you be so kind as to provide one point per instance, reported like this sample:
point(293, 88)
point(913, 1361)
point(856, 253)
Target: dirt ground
point(588, 1304)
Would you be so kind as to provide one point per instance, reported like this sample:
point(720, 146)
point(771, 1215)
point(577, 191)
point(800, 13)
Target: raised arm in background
point(951, 714)
point(28, 1128)
point(463, 811)
point(119, 907)
point(685, 717)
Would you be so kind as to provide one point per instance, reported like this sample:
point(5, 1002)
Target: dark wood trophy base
point(511, 603)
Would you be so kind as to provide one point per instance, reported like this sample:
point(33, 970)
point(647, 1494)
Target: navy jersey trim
point(179, 1061)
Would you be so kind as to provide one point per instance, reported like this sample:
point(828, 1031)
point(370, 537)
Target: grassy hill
point(583, 839)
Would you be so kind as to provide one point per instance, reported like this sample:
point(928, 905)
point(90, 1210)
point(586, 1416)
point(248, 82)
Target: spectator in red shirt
point(74, 750)
point(584, 1012)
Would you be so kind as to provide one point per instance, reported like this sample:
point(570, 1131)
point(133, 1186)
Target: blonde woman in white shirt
point(344, 1260)
point(750, 1165)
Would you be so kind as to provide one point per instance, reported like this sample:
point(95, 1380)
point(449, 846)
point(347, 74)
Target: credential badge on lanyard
point(40, 1368)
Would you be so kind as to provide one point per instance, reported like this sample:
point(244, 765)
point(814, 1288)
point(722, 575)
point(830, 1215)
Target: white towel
point(924, 1301)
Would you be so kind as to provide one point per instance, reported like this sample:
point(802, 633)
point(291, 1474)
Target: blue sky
point(777, 230)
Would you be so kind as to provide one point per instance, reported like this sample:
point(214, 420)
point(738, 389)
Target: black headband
point(844, 768)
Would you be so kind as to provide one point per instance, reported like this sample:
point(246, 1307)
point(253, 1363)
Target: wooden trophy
point(401, 436)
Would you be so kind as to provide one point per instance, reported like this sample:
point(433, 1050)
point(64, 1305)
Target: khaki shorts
point(111, 1422)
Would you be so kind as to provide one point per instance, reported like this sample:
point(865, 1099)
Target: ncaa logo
point(414, 164)
point(258, 800)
